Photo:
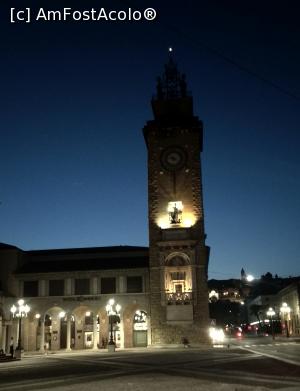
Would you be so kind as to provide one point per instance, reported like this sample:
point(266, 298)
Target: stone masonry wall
point(189, 191)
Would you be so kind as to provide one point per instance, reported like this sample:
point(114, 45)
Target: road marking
point(288, 361)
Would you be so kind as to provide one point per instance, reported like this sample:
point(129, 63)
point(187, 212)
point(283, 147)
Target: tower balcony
point(179, 298)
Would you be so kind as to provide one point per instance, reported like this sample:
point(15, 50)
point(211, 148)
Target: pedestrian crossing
point(271, 344)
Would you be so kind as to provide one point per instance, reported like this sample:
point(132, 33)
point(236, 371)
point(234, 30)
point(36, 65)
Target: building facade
point(67, 292)
point(162, 290)
point(289, 308)
point(286, 306)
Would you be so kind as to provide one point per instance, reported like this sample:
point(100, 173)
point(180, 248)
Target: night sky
point(75, 97)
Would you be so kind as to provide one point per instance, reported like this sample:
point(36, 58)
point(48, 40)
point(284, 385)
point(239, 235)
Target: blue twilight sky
point(75, 97)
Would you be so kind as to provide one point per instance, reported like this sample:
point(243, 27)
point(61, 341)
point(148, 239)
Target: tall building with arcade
point(162, 290)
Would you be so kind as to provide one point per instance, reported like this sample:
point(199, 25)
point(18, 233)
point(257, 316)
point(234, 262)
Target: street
point(285, 350)
point(249, 364)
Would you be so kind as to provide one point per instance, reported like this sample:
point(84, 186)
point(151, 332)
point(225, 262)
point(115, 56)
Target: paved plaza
point(245, 365)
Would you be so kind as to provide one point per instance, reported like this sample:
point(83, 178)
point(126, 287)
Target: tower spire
point(172, 99)
point(172, 84)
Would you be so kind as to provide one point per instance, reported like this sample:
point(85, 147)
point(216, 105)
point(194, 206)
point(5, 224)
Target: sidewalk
point(63, 351)
point(281, 339)
point(7, 358)
point(118, 350)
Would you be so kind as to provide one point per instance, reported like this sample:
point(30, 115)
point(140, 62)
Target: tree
point(256, 310)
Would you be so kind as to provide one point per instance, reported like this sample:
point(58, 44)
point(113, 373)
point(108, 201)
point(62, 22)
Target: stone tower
point(178, 254)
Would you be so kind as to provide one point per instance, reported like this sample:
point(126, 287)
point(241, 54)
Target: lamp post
point(285, 310)
point(20, 311)
point(270, 314)
point(113, 312)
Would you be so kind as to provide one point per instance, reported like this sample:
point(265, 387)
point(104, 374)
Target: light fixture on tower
point(175, 212)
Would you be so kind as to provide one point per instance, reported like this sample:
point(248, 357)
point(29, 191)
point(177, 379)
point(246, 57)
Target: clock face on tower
point(173, 158)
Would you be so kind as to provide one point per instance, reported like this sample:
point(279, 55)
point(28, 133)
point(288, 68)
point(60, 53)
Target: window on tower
point(178, 279)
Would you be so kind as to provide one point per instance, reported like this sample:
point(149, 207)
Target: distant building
point(291, 297)
point(236, 301)
point(285, 303)
point(257, 307)
point(231, 289)
point(162, 290)
point(226, 301)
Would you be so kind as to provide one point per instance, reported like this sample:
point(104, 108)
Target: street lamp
point(270, 314)
point(113, 312)
point(286, 310)
point(20, 311)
